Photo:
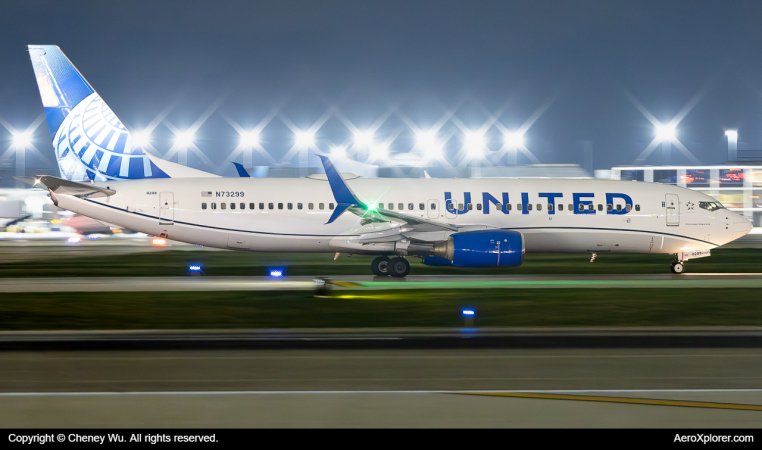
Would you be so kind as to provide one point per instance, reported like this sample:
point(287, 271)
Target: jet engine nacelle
point(482, 248)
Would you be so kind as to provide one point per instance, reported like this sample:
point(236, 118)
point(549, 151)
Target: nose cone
point(741, 226)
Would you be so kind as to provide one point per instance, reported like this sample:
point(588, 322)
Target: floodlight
point(665, 132)
point(249, 138)
point(141, 139)
point(22, 139)
point(305, 139)
point(514, 139)
point(338, 151)
point(731, 134)
point(184, 139)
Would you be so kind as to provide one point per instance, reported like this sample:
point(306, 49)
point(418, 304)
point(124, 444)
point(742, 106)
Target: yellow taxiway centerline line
point(637, 401)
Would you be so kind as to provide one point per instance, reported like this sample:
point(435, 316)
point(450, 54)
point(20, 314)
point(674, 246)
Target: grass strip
point(349, 308)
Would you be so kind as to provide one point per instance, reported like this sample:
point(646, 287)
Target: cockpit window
point(710, 206)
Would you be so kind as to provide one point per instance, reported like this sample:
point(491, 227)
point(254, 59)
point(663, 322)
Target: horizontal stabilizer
point(66, 187)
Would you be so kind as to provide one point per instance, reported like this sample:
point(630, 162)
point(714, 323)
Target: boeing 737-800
point(453, 222)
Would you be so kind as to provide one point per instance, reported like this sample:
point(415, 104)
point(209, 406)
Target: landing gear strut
point(678, 267)
point(396, 267)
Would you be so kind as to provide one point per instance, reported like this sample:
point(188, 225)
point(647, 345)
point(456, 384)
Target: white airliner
point(458, 222)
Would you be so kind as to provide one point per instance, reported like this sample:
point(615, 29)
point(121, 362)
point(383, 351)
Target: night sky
point(586, 62)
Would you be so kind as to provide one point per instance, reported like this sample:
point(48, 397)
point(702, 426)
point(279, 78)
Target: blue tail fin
point(242, 173)
point(89, 140)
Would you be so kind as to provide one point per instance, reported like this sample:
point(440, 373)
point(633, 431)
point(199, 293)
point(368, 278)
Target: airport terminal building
point(738, 186)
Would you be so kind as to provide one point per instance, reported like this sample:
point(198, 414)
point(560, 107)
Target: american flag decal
point(206, 193)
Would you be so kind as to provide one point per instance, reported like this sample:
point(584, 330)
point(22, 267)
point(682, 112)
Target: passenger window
point(310, 206)
point(232, 206)
point(529, 206)
point(470, 206)
point(618, 207)
point(590, 207)
point(518, 207)
point(421, 206)
point(261, 206)
point(460, 206)
point(290, 206)
point(410, 206)
point(581, 207)
point(499, 206)
point(251, 205)
point(401, 206)
point(380, 206)
point(280, 205)
point(539, 207)
point(600, 207)
point(222, 205)
point(391, 206)
point(508, 207)
point(478, 206)
point(243, 205)
point(628, 207)
point(450, 206)
point(321, 205)
point(433, 206)
point(203, 206)
point(330, 206)
point(571, 207)
point(270, 205)
point(550, 206)
point(560, 207)
point(298, 206)
point(214, 206)
point(637, 207)
point(609, 207)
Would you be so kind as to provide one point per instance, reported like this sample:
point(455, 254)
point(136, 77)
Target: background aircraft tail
point(90, 142)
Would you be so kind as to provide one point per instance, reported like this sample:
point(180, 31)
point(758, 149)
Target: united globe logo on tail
point(90, 142)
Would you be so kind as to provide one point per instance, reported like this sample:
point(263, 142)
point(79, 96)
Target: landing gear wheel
point(678, 267)
point(380, 266)
point(399, 267)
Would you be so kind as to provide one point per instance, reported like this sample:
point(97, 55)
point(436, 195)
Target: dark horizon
point(587, 62)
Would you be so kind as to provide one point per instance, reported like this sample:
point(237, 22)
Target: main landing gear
point(396, 267)
point(678, 267)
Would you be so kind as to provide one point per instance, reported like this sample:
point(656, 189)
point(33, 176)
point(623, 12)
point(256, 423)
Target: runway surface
point(697, 387)
point(201, 283)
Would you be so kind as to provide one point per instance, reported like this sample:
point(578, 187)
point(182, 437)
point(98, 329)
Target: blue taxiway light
point(469, 312)
point(276, 273)
point(194, 268)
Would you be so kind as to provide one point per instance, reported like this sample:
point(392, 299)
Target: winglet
point(344, 196)
point(241, 171)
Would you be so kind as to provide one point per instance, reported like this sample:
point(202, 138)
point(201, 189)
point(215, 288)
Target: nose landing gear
point(678, 267)
point(396, 267)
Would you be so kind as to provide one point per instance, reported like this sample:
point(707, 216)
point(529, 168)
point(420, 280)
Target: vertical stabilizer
point(90, 142)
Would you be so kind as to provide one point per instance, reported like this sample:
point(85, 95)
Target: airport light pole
point(248, 141)
point(666, 133)
point(513, 140)
point(21, 141)
point(732, 145)
point(183, 141)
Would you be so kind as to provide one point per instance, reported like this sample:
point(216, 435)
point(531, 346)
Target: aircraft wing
point(347, 201)
point(66, 187)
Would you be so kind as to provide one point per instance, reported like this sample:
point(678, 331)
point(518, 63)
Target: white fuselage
point(174, 208)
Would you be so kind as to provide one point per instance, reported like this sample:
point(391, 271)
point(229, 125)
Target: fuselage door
point(166, 208)
point(433, 208)
point(673, 210)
